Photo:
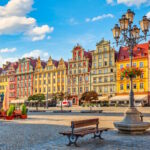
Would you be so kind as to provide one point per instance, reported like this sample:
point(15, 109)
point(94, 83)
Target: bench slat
point(84, 131)
point(83, 123)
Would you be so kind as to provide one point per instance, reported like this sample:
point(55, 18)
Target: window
point(105, 79)
point(121, 66)
point(80, 89)
point(44, 81)
point(105, 48)
point(94, 80)
point(111, 78)
point(141, 76)
point(95, 89)
point(74, 80)
point(141, 65)
point(94, 72)
point(99, 50)
point(100, 89)
point(105, 70)
point(100, 79)
point(105, 63)
point(100, 71)
point(80, 79)
point(141, 85)
point(86, 89)
point(99, 64)
point(121, 78)
point(105, 55)
point(48, 74)
point(86, 78)
point(94, 65)
point(105, 89)
point(134, 64)
point(128, 86)
point(44, 89)
point(111, 70)
point(74, 90)
point(100, 56)
point(110, 63)
point(134, 86)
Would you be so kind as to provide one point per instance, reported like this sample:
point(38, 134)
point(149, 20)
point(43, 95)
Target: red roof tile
point(140, 50)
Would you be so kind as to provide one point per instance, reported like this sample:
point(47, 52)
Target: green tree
point(88, 97)
point(61, 98)
point(37, 98)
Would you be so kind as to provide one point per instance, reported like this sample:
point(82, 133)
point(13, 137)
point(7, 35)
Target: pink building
point(24, 77)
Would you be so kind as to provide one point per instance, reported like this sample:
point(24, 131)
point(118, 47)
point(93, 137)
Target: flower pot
point(9, 117)
point(23, 116)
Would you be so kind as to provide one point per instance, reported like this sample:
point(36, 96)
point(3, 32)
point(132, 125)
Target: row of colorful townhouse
point(97, 70)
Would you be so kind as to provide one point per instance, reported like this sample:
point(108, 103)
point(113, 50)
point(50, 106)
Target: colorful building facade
point(140, 84)
point(24, 78)
point(79, 73)
point(103, 70)
point(50, 77)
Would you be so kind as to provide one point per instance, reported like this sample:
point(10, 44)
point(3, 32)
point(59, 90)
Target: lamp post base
point(132, 122)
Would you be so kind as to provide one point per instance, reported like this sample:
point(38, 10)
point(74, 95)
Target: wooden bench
point(82, 128)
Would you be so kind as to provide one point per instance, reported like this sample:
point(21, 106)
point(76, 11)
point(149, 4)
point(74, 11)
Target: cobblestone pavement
point(41, 132)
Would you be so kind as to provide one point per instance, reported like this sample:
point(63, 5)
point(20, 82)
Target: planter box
point(9, 117)
point(91, 111)
point(23, 116)
point(62, 111)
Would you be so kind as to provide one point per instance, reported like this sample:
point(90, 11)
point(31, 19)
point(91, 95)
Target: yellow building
point(4, 81)
point(50, 77)
point(140, 84)
point(103, 72)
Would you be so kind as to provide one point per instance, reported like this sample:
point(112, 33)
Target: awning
point(126, 98)
point(18, 101)
point(101, 98)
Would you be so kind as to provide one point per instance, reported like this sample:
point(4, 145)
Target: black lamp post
point(129, 35)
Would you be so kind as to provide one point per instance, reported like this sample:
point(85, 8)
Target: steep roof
point(140, 50)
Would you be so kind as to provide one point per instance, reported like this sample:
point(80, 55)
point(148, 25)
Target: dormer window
point(142, 54)
point(138, 48)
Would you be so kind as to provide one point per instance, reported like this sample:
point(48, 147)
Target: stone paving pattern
point(41, 132)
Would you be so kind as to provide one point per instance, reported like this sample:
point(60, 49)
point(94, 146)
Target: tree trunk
point(37, 107)
point(61, 106)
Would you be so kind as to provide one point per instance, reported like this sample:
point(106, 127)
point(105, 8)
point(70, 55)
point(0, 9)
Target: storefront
point(139, 100)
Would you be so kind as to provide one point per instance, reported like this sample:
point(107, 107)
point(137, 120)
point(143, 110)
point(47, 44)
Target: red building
point(24, 77)
point(79, 73)
point(11, 72)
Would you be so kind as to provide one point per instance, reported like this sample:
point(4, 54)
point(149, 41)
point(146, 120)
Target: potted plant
point(23, 112)
point(10, 111)
point(131, 72)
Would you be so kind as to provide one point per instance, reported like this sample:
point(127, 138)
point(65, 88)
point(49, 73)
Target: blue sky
point(54, 27)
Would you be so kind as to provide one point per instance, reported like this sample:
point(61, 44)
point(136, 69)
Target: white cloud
point(99, 17)
point(38, 33)
point(132, 2)
point(72, 21)
point(109, 1)
point(148, 15)
point(3, 60)
point(14, 20)
point(36, 53)
point(7, 50)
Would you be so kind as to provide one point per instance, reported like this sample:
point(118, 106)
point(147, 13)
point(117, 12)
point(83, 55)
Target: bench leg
point(72, 140)
point(98, 134)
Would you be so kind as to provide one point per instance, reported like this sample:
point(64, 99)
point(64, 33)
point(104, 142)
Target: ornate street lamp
point(129, 35)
